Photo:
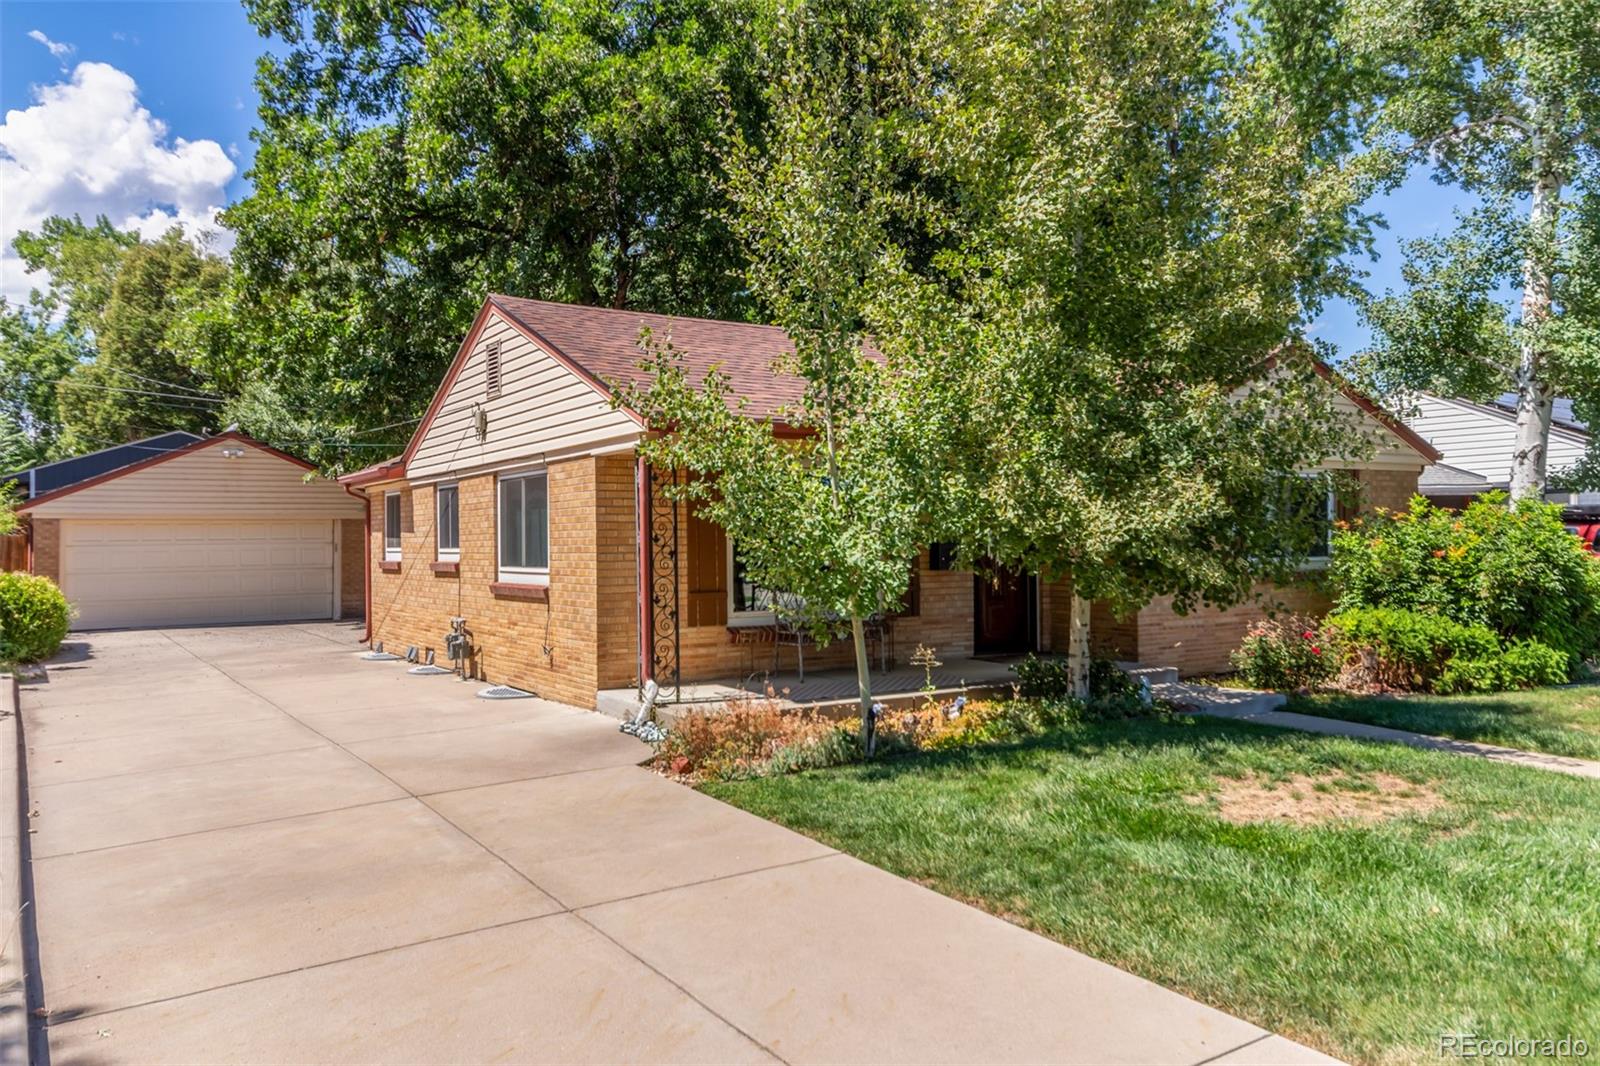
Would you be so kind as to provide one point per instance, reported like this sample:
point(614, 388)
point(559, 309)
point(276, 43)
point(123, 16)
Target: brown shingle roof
point(604, 344)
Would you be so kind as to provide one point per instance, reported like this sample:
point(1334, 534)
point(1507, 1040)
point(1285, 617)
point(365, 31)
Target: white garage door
point(124, 573)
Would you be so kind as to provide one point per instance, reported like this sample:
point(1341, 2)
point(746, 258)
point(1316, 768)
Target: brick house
point(521, 505)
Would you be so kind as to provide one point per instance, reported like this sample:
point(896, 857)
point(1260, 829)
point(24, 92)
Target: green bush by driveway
point(34, 617)
point(1474, 911)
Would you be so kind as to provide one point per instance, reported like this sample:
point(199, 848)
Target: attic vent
point(491, 370)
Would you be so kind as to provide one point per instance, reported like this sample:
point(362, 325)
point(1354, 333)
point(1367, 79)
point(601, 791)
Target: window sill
point(389, 566)
point(751, 619)
point(509, 590)
point(445, 566)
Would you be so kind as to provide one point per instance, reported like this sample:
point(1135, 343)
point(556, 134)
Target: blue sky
point(192, 67)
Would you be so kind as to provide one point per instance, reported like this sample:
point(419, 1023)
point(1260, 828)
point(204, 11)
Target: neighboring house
point(1477, 440)
point(48, 477)
point(215, 530)
point(520, 506)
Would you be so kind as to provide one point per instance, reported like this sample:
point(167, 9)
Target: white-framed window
point(747, 601)
point(1322, 546)
point(447, 522)
point(523, 534)
point(391, 526)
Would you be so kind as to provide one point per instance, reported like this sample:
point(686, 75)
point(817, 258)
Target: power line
point(158, 381)
point(135, 392)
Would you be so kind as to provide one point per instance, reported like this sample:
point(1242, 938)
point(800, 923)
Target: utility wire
point(158, 381)
point(136, 392)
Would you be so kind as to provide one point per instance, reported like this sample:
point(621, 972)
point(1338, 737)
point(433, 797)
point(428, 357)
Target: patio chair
point(794, 626)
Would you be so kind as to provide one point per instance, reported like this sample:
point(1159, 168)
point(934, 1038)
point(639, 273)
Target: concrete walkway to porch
point(252, 846)
point(1262, 708)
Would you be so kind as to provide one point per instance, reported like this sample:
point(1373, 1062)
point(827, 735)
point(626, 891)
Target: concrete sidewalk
point(1262, 708)
point(253, 847)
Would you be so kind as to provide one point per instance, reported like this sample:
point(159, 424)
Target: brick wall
point(1201, 642)
point(47, 548)
point(1112, 637)
point(1390, 489)
point(546, 647)
point(943, 622)
point(352, 568)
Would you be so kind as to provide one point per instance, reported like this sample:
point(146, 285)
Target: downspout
point(366, 562)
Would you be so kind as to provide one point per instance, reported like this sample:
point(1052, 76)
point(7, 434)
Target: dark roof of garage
point(48, 477)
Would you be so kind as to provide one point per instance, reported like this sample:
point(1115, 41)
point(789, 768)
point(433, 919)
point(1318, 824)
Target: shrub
point(752, 738)
point(1515, 570)
point(1287, 654)
point(34, 617)
point(1395, 648)
point(1411, 650)
point(1051, 679)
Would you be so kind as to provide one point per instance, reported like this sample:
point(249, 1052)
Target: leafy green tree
point(1144, 216)
point(45, 339)
point(102, 353)
point(34, 355)
point(1502, 99)
point(138, 384)
point(415, 155)
point(819, 510)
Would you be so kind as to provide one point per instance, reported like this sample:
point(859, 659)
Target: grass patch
point(1476, 911)
point(1559, 721)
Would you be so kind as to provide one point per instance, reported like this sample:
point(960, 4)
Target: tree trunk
point(1078, 647)
point(1535, 396)
point(869, 731)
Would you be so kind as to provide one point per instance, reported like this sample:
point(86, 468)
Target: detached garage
point(225, 529)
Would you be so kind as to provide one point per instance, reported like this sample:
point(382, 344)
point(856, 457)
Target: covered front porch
point(832, 690)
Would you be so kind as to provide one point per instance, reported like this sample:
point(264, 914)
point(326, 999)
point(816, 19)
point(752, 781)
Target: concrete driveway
point(251, 846)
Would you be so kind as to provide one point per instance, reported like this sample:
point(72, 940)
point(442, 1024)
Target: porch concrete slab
point(548, 990)
point(495, 754)
point(109, 811)
point(165, 746)
point(139, 923)
point(603, 835)
point(834, 960)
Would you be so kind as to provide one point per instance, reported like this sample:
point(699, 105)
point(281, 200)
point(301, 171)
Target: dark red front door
point(1002, 613)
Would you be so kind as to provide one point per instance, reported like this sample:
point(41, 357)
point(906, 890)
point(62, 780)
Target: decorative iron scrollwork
point(664, 643)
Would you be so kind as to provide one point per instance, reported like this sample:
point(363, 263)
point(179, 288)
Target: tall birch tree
point(1502, 99)
point(816, 499)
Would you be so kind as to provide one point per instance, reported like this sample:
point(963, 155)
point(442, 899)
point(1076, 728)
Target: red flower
point(1315, 650)
point(1306, 635)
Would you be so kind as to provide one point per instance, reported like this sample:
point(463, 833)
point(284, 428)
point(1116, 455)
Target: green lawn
point(1560, 721)
point(1481, 914)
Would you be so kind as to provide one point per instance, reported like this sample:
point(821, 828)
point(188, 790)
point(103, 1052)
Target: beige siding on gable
point(543, 409)
point(1391, 451)
point(207, 484)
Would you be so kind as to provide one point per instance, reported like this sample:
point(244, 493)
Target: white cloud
point(57, 48)
point(87, 147)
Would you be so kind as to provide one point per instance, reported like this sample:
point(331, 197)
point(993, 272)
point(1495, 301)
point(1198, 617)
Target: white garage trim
point(131, 572)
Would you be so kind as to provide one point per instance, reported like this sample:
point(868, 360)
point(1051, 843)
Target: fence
point(14, 551)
